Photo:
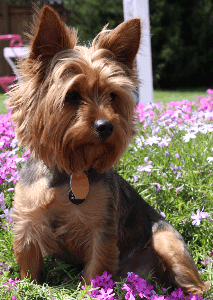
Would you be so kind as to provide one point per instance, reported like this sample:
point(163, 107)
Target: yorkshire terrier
point(74, 110)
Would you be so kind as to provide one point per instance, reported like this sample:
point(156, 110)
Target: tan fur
point(94, 73)
point(35, 213)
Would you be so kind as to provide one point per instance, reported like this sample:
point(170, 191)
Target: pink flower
point(108, 295)
point(102, 281)
point(209, 91)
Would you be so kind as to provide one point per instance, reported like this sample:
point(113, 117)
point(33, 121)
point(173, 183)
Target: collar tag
point(79, 188)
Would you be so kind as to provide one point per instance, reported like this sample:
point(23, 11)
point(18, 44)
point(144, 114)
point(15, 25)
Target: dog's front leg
point(100, 256)
point(30, 260)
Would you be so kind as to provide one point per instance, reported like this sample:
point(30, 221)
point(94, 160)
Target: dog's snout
point(104, 128)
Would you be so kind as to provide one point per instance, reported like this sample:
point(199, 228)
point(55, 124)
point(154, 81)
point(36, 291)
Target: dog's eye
point(112, 96)
point(73, 98)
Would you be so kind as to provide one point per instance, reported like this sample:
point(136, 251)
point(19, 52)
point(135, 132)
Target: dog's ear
point(50, 35)
point(123, 41)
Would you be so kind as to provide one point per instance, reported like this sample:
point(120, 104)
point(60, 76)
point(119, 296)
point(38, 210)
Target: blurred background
point(181, 35)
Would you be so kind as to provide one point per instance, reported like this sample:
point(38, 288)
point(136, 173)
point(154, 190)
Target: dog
point(74, 110)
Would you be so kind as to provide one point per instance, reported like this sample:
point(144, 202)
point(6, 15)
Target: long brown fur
point(66, 91)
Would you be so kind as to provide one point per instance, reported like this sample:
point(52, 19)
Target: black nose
point(104, 128)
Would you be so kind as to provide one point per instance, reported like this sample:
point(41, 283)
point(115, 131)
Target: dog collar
point(79, 188)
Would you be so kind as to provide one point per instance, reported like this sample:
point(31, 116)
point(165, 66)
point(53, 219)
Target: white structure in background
point(11, 53)
point(140, 8)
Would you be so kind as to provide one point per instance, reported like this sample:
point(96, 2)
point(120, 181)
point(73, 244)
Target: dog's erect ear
point(123, 41)
point(51, 35)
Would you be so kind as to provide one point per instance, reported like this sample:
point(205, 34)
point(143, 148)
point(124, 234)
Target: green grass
point(177, 95)
point(159, 96)
point(3, 109)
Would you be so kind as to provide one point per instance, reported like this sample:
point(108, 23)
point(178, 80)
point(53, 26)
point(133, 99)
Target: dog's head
point(73, 106)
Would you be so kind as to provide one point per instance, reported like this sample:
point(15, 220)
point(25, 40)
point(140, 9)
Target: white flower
point(209, 159)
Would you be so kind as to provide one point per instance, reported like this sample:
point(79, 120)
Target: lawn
point(177, 95)
point(170, 163)
point(3, 109)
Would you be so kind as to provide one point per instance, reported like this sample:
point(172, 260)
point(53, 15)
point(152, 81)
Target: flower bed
point(170, 163)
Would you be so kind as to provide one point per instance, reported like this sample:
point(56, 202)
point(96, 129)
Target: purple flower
point(163, 214)
point(200, 215)
point(164, 142)
point(175, 168)
point(178, 294)
point(167, 153)
point(135, 178)
point(6, 213)
point(179, 189)
point(169, 185)
point(138, 286)
point(178, 175)
point(156, 130)
point(177, 155)
point(139, 143)
point(14, 143)
point(146, 159)
point(2, 201)
point(156, 297)
point(157, 185)
point(106, 283)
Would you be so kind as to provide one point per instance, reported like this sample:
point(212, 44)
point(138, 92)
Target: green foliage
point(181, 35)
point(90, 16)
point(182, 52)
point(3, 109)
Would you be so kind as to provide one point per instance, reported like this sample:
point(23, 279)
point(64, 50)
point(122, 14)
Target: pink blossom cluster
point(206, 103)
point(134, 287)
point(5, 214)
point(10, 159)
point(10, 284)
point(105, 283)
point(177, 112)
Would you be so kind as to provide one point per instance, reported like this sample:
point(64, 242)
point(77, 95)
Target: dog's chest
point(66, 218)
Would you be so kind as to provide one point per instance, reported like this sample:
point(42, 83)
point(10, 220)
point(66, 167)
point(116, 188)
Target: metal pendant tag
point(79, 188)
point(75, 200)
